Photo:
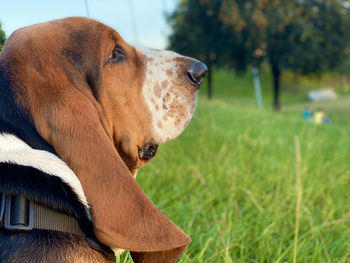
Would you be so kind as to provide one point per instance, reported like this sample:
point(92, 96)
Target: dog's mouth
point(148, 151)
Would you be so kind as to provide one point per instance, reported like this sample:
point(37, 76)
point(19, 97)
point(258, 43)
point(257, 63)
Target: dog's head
point(153, 96)
point(105, 106)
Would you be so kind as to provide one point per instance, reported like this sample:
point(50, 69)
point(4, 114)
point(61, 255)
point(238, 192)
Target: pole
point(257, 87)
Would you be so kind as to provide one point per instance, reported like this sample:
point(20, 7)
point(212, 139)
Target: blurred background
point(262, 173)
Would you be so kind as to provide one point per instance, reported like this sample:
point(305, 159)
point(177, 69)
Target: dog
point(80, 112)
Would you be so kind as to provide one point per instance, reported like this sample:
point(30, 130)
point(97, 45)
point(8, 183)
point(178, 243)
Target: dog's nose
point(196, 72)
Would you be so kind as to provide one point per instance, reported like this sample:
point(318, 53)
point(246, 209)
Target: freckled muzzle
point(170, 91)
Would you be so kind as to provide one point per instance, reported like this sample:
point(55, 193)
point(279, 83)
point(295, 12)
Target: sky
point(140, 22)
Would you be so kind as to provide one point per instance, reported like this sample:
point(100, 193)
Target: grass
point(252, 185)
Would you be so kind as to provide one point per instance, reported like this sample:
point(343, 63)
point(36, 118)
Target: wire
point(87, 8)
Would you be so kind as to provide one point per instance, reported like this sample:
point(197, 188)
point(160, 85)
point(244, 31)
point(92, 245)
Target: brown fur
point(70, 248)
point(93, 115)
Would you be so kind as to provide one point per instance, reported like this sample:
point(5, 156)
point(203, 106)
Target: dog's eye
point(117, 55)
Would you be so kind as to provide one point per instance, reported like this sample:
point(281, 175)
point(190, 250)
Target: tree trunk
point(210, 91)
point(276, 74)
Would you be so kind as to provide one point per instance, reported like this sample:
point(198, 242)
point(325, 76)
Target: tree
point(197, 32)
point(302, 35)
point(2, 38)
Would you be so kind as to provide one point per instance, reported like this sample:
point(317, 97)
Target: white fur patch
point(170, 99)
point(118, 251)
point(14, 150)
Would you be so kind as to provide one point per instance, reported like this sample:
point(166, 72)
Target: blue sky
point(149, 29)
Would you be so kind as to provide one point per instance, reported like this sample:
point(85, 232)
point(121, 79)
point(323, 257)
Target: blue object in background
point(307, 114)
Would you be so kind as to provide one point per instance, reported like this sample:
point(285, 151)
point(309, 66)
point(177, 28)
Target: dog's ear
point(123, 216)
point(60, 88)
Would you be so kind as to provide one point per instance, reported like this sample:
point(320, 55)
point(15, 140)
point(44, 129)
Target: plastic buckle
point(19, 213)
point(2, 208)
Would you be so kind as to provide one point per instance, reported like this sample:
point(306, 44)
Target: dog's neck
point(45, 179)
point(15, 151)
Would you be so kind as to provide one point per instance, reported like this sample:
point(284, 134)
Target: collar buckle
point(19, 213)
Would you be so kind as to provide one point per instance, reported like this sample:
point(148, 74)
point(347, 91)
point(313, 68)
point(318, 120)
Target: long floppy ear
point(122, 214)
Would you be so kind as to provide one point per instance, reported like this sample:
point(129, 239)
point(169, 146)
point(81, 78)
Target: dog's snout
point(196, 72)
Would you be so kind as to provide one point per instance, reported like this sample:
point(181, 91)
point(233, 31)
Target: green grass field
point(252, 185)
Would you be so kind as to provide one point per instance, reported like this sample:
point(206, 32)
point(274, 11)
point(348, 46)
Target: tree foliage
point(197, 31)
point(300, 35)
point(2, 38)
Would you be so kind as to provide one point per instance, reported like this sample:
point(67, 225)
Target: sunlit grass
point(229, 181)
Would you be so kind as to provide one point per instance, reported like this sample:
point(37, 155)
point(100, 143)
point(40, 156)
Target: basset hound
point(80, 112)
